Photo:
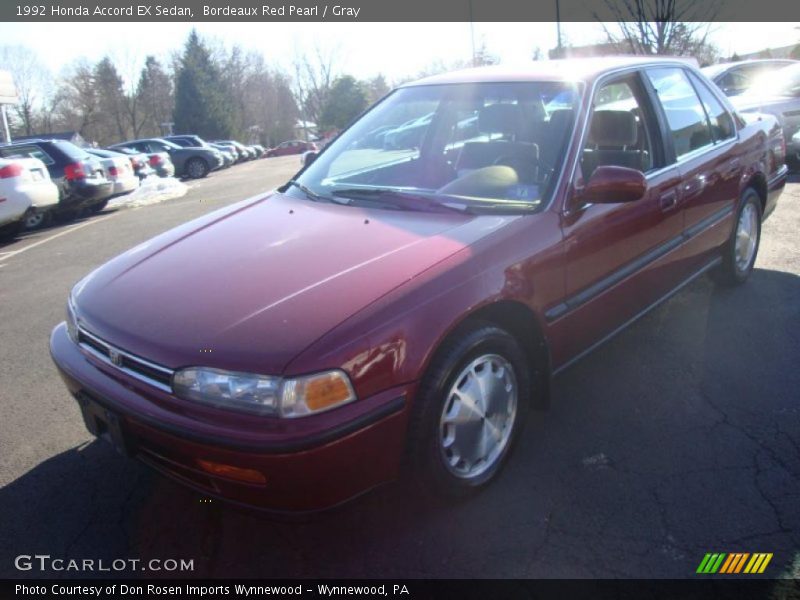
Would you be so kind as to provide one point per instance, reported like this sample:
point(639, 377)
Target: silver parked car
point(777, 93)
point(733, 78)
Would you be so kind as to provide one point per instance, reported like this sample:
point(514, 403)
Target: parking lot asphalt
point(679, 437)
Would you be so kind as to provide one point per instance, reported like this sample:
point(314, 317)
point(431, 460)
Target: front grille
point(135, 366)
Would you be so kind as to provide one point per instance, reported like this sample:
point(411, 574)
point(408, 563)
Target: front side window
point(619, 132)
point(477, 142)
point(685, 114)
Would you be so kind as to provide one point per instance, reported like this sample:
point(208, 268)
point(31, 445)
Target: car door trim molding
point(708, 266)
point(599, 287)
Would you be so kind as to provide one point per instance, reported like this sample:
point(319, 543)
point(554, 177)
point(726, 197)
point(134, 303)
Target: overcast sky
point(364, 49)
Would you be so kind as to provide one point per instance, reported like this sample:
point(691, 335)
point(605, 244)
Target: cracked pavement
point(679, 437)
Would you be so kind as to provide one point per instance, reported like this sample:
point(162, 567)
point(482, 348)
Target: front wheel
point(197, 168)
point(469, 410)
point(740, 251)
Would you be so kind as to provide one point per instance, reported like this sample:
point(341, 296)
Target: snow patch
point(152, 190)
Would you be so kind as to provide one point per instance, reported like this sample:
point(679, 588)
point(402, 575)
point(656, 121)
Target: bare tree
point(30, 79)
point(673, 27)
point(78, 105)
point(315, 73)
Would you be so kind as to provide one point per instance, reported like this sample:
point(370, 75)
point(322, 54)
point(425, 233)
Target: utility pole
point(6, 131)
point(472, 32)
point(558, 28)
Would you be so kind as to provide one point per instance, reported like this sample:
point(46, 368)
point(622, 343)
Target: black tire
point(35, 219)
point(731, 272)
point(426, 453)
point(196, 168)
point(96, 208)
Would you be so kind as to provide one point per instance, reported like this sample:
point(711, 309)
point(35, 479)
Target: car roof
point(571, 69)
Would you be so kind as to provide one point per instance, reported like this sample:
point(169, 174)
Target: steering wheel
point(524, 168)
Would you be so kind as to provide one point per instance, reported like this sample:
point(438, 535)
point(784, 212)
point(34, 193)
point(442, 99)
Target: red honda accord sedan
point(406, 304)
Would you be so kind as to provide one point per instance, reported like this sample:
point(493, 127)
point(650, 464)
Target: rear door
point(703, 137)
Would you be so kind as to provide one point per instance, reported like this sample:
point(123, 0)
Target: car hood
point(249, 287)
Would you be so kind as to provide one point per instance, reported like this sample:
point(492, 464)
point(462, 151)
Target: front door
point(614, 251)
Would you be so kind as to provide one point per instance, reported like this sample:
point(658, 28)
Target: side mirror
point(309, 158)
point(611, 185)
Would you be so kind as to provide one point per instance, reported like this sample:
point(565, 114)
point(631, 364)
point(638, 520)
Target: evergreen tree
point(201, 104)
point(154, 97)
point(346, 100)
point(111, 121)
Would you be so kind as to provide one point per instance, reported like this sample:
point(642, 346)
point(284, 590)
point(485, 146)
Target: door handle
point(668, 201)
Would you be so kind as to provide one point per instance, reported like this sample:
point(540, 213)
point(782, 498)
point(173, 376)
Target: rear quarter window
point(27, 152)
point(72, 152)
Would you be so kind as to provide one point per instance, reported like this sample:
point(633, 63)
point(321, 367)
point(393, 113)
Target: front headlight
point(262, 394)
point(72, 322)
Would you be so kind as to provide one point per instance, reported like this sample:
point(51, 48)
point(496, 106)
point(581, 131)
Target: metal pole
point(472, 32)
point(5, 123)
point(558, 27)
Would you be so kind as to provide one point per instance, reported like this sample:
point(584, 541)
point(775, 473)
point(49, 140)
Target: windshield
point(478, 143)
point(713, 70)
point(781, 82)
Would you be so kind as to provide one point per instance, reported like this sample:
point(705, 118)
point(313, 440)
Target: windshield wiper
point(312, 195)
point(397, 199)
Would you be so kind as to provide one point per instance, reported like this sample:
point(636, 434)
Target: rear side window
point(27, 152)
point(685, 114)
point(721, 121)
point(71, 151)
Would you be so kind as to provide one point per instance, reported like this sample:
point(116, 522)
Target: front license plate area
point(104, 423)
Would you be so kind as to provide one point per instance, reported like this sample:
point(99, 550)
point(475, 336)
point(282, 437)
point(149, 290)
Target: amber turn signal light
point(231, 472)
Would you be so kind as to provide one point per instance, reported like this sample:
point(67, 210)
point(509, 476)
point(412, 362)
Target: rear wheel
point(35, 218)
point(197, 168)
point(740, 251)
point(96, 208)
point(469, 410)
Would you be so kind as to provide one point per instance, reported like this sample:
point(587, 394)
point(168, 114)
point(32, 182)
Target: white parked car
point(118, 169)
point(26, 194)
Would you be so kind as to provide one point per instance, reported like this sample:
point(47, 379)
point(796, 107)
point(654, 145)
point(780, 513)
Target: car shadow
point(678, 437)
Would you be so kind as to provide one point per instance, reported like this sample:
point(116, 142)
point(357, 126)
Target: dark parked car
point(234, 355)
point(140, 162)
point(195, 141)
point(80, 177)
point(193, 162)
point(235, 153)
point(245, 153)
point(777, 93)
point(733, 78)
point(291, 147)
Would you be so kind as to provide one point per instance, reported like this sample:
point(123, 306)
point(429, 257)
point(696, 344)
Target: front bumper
point(775, 186)
point(308, 464)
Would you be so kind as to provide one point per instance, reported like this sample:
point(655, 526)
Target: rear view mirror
point(611, 184)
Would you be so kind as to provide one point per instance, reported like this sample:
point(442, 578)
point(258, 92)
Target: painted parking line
point(6, 255)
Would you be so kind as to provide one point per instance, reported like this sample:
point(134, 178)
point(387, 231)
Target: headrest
point(613, 128)
point(499, 118)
